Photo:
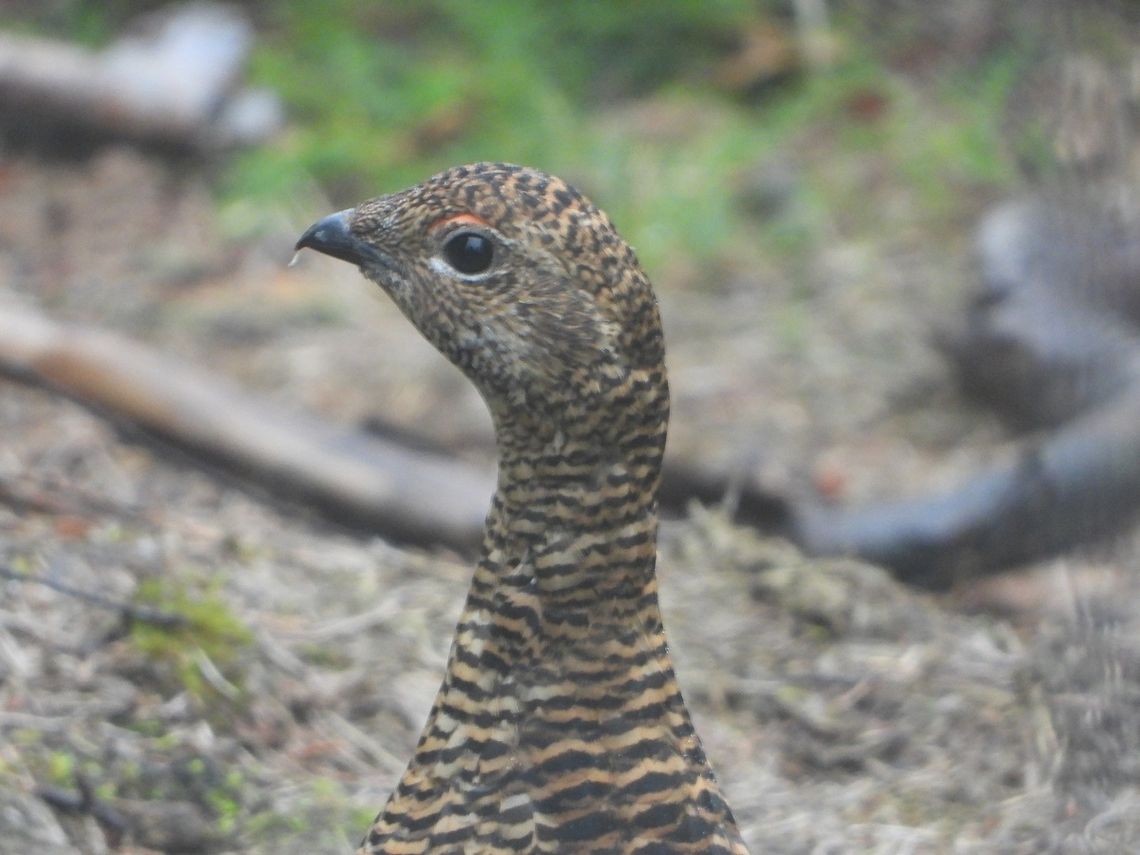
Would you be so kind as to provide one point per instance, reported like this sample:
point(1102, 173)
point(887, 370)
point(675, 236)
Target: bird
point(559, 725)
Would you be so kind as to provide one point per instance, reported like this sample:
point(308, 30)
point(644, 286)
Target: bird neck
point(566, 574)
point(559, 716)
point(576, 525)
point(566, 580)
point(559, 660)
point(560, 657)
point(574, 516)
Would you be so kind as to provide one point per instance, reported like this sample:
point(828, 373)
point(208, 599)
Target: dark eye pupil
point(468, 252)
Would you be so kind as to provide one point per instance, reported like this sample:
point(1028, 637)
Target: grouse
point(559, 726)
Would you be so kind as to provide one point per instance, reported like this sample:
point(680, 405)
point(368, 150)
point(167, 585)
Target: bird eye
point(469, 252)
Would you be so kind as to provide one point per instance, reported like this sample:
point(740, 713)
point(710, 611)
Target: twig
point(213, 675)
point(31, 721)
point(84, 801)
point(38, 498)
point(130, 611)
point(354, 624)
point(364, 743)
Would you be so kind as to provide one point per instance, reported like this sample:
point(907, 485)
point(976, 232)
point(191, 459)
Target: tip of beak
point(332, 236)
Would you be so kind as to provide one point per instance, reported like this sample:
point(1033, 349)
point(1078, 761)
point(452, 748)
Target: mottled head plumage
point(562, 312)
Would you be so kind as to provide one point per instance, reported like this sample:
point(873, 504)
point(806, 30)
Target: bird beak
point(332, 237)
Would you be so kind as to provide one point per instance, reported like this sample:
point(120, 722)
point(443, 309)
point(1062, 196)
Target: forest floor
point(842, 711)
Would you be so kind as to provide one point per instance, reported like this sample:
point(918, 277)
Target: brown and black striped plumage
point(559, 726)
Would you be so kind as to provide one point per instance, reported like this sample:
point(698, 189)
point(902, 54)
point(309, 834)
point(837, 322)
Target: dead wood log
point(1050, 341)
point(356, 479)
point(175, 81)
point(1074, 486)
point(1053, 329)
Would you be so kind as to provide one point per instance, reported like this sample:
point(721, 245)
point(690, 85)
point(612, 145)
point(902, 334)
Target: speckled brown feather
point(559, 726)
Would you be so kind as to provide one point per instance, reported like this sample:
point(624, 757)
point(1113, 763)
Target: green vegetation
point(631, 102)
point(226, 804)
point(623, 102)
point(209, 637)
point(61, 768)
point(321, 817)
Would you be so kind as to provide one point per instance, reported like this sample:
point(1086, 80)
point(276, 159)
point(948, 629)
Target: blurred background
point(895, 245)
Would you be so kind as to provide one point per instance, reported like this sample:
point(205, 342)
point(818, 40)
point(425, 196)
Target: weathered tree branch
point(1076, 485)
point(176, 81)
point(357, 479)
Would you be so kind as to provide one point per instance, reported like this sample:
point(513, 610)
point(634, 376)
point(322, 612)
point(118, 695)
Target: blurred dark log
point(175, 82)
point(1075, 486)
point(1051, 341)
point(1054, 328)
point(355, 479)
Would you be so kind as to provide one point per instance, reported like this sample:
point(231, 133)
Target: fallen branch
point(174, 82)
point(1078, 485)
point(1050, 341)
point(356, 479)
point(1053, 329)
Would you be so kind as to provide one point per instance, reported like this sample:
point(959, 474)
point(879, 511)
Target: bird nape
point(559, 726)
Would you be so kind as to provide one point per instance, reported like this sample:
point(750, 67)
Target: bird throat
point(559, 685)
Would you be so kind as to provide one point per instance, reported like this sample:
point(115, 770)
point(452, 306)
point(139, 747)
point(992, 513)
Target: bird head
point(520, 281)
